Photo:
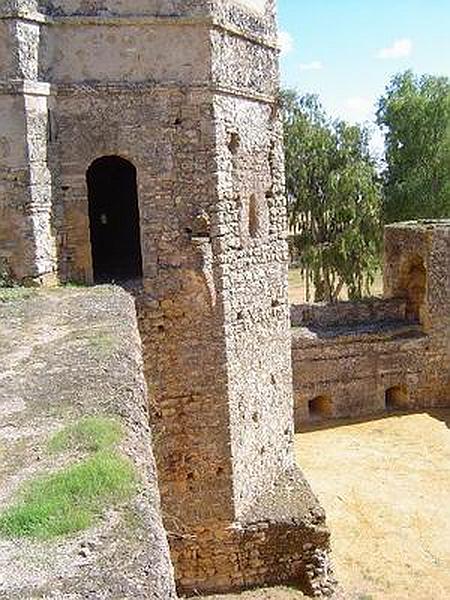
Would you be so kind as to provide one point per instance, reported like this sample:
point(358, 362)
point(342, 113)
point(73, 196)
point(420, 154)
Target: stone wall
point(26, 239)
point(216, 340)
point(356, 359)
point(372, 310)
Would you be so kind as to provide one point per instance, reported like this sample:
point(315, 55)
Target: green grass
point(89, 434)
point(71, 499)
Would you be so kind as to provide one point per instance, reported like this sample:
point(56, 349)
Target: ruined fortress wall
point(167, 136)
point(267, 539)
point(253, 261)
point(347, 313)
point(226, 444)
point(187, 94)
point(417, 267)
point(354, 371)
point(351, 357)
point(410, 247)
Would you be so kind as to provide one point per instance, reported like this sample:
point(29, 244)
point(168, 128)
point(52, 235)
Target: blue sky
point(347, 50)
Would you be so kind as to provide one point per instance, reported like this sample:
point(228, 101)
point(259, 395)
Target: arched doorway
point(415, 282)
point(114, 220)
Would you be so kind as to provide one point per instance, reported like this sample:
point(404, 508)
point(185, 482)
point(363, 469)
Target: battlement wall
point(372, 310)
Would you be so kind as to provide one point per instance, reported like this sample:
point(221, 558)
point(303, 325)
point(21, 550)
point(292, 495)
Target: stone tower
point(141, 139)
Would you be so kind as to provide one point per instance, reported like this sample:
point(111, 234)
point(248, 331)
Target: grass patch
point(12, 294)
point(89, 434)
point(70, 500)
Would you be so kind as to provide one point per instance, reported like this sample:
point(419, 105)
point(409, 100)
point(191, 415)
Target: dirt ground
point(385, 485)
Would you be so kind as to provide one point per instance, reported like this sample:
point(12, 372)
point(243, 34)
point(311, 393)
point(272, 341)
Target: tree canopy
point(415, 115)
point(334, 199)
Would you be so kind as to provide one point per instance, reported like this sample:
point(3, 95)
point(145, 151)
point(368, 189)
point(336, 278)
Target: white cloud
point(401, 48)
point(286, 42)
point(314, 65)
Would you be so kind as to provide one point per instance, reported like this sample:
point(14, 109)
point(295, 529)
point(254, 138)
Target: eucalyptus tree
point(415, 115)
point(334, 199)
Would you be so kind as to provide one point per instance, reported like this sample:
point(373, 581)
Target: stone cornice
point(142, 21)
point(151, 87)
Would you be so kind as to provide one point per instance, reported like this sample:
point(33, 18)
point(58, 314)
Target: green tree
point(334, 199)
point(415, 115)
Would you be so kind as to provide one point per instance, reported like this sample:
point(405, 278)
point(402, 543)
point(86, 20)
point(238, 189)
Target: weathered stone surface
point(65, 355)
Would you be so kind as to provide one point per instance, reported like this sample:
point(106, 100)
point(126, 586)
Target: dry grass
point(297, 288)
point(385, 487)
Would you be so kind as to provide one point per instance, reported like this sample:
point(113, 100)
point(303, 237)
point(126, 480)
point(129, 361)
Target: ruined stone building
point(139, 139)
point(354, 359)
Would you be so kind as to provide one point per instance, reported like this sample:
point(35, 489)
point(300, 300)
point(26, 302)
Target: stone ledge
point(142, 21)
point(364, 332)
point(281, 540)
point(289, 501)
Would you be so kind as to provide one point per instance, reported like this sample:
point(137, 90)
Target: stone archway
point(415, 281)
point(396, 397)
point(114, 220)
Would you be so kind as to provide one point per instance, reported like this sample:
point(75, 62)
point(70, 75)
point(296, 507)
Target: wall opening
point(320, 407)
point(396, 397)
point(253, 217)
point(415, 288)
point(114, 220)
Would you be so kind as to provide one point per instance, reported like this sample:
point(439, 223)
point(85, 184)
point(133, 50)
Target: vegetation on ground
point(71, 499)
point(89, 434)
point(6, 280)
point(334, 200)
point(12, 294)
point(415, 115)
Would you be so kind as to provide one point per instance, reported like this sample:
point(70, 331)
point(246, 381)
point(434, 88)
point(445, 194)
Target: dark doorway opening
point(114, 220)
